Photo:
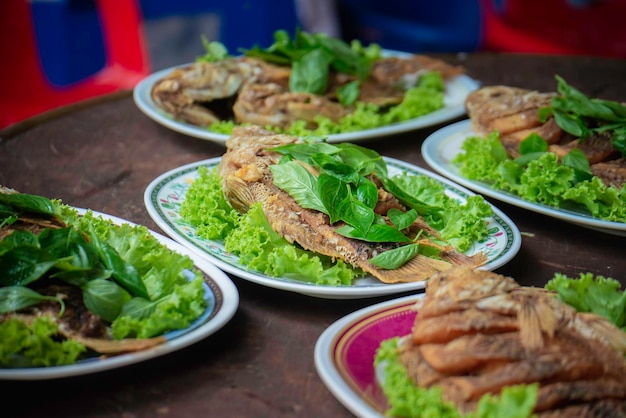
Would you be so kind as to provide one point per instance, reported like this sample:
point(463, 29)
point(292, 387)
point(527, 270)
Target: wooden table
point(102, 154)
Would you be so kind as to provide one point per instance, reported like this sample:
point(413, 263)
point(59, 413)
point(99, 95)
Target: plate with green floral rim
point(164, 195)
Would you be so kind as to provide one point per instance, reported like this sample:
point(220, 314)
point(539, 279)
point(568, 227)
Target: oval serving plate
point(220, 293)
point(164, 195)
point(457, 90)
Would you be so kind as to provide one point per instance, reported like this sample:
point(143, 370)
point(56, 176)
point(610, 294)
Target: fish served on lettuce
point(309, 83)
point(76, 286)
point(560, 149)
point(480, 335)
point(339, 201)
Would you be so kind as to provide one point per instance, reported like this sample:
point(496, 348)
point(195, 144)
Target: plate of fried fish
point(477, 343)
point(104, 296)
point(284, 243)
point(354, 94)
point(560, 153)
point(442, 146)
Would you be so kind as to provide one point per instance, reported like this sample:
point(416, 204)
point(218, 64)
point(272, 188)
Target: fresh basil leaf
point(309, 74)
point(123, 273)
point(80, 278)
point(28, 203)
point(6, 212)
point(23, 265)
point(367, 192)
point(305, 151)
point(139, 308)
point(396, 258)
point(18, 238)
point(533, 143)
point(569, 123)
point(577, 160)
point(105, 298)
point(14, 298)
point(406, 198)
point(299, 183)
point(333, 192)
point(401, 219)
point(376, 233)
point(70, 247)
point(332, 165)
point(365, 160)
point(348, 93)
point(619, 141)
point(357, 214)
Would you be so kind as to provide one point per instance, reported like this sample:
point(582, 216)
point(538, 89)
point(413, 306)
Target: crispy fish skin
point(247, 179)
point(514, 113)
point(476, 332)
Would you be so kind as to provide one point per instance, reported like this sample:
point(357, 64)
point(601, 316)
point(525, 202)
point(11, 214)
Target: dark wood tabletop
point(102, 154)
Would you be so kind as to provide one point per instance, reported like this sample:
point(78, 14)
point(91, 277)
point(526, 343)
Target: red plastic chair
point(24, 89)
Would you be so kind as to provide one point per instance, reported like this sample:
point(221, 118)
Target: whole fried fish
point(247, 179)
point(477, 332)
point(514, 113)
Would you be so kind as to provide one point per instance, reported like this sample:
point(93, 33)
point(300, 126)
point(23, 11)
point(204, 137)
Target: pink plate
point(344, 353)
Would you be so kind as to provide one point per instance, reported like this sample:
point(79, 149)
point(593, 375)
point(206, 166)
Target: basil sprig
point(534, 146)
point(344, 189)
point(65, 254)
point(583, 117)
point(312, 58)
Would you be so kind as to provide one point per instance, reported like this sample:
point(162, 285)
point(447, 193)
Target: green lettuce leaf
point(260, 248)
point(460, 224)
point(588, 293)
point(178, 299)
point(35, 345)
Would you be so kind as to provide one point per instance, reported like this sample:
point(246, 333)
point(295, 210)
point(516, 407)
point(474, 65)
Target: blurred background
point(56, 52)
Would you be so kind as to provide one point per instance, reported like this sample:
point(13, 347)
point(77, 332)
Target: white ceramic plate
point(164, 195)
point(345, 351)
point(444, 144)
point(457, 90)
point(220, 293)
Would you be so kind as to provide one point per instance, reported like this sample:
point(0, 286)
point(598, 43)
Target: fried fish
point(247, 179)
point(477, 332)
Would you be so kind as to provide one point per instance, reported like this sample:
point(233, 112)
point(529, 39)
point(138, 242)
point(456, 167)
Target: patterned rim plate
point(220, 293)
point(164, 195)
point(344, 353)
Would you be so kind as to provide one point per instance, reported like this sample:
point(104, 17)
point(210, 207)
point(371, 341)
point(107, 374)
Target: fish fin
point(239, 193)
point(530, 323)
point(417, 269)
point(104, 346)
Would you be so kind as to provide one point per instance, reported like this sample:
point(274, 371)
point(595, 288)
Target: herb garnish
point(583, 117)
point(344, 188)
point(312, 58)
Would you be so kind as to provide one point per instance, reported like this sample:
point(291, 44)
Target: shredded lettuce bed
point(544, 180)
